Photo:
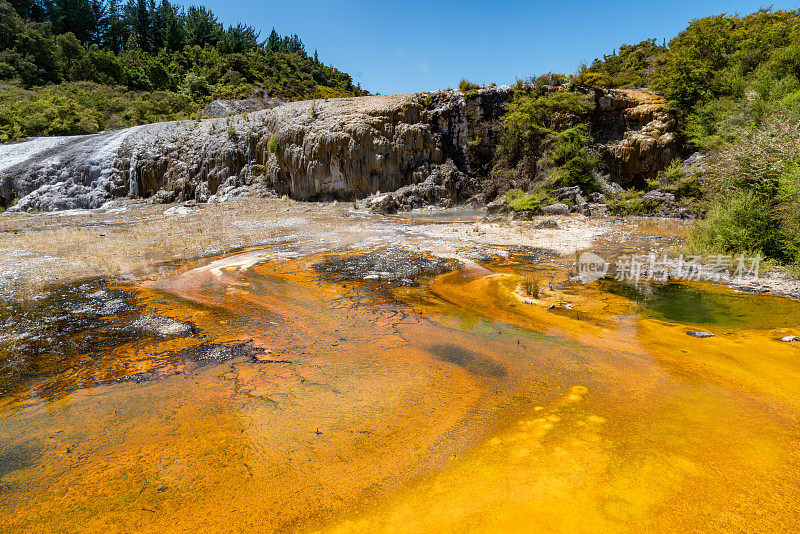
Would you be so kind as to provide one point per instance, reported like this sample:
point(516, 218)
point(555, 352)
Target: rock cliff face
point(635, 134)
point(340, 148)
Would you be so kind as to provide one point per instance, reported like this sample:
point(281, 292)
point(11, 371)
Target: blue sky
point(423, 45)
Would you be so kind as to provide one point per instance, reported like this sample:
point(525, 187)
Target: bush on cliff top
point(465, 85)
point(721, 73)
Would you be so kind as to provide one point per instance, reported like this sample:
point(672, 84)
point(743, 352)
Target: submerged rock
point(162, 326)
point(700, 335)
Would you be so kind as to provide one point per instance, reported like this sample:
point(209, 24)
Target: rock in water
point(700, 335)
point(163, 326)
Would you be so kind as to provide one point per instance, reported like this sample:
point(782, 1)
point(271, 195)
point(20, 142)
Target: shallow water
point(305, 400)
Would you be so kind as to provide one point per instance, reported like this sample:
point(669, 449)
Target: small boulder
point(163, 196)
point(383, 204)
point(547, 224)
point(581, 206)
point(598, 210)
point(658, 196)
point(790, 339)
point(523, 215)
point(610, 188)
point(555, 209)
point(694, 164)
point(566, 192)
point(496, 206)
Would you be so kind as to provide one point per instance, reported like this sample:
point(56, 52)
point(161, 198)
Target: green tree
point(137, 18)
point(202, 27)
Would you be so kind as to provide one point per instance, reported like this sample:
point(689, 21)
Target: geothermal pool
point(289, 388)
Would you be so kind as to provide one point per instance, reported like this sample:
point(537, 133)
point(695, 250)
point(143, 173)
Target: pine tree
point(202, 27)
point(137, 18)
point(114, 37)
point(100, 22)
point(35, 10)
point(75, 16)
point(173, 32)
point(274, 41)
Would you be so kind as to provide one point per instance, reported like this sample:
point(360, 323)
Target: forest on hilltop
point(81, 66)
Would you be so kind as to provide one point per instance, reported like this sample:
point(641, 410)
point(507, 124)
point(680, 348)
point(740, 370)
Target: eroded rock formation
point(635, 134)
point(339, 148)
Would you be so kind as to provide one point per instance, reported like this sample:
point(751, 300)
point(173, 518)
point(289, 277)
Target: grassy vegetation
point(629, 202)
point(272, 144)
point(531, 284)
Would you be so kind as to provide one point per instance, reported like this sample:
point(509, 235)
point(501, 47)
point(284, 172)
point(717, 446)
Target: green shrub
point(519, 201)
point(574, 161)
point(532, 123)
point(742, 222)
point(195, 86)
point(272, 144)
point(631, 202)
point(686, 187)
point(632, 66)
point(757, 183)
point(531, 284)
